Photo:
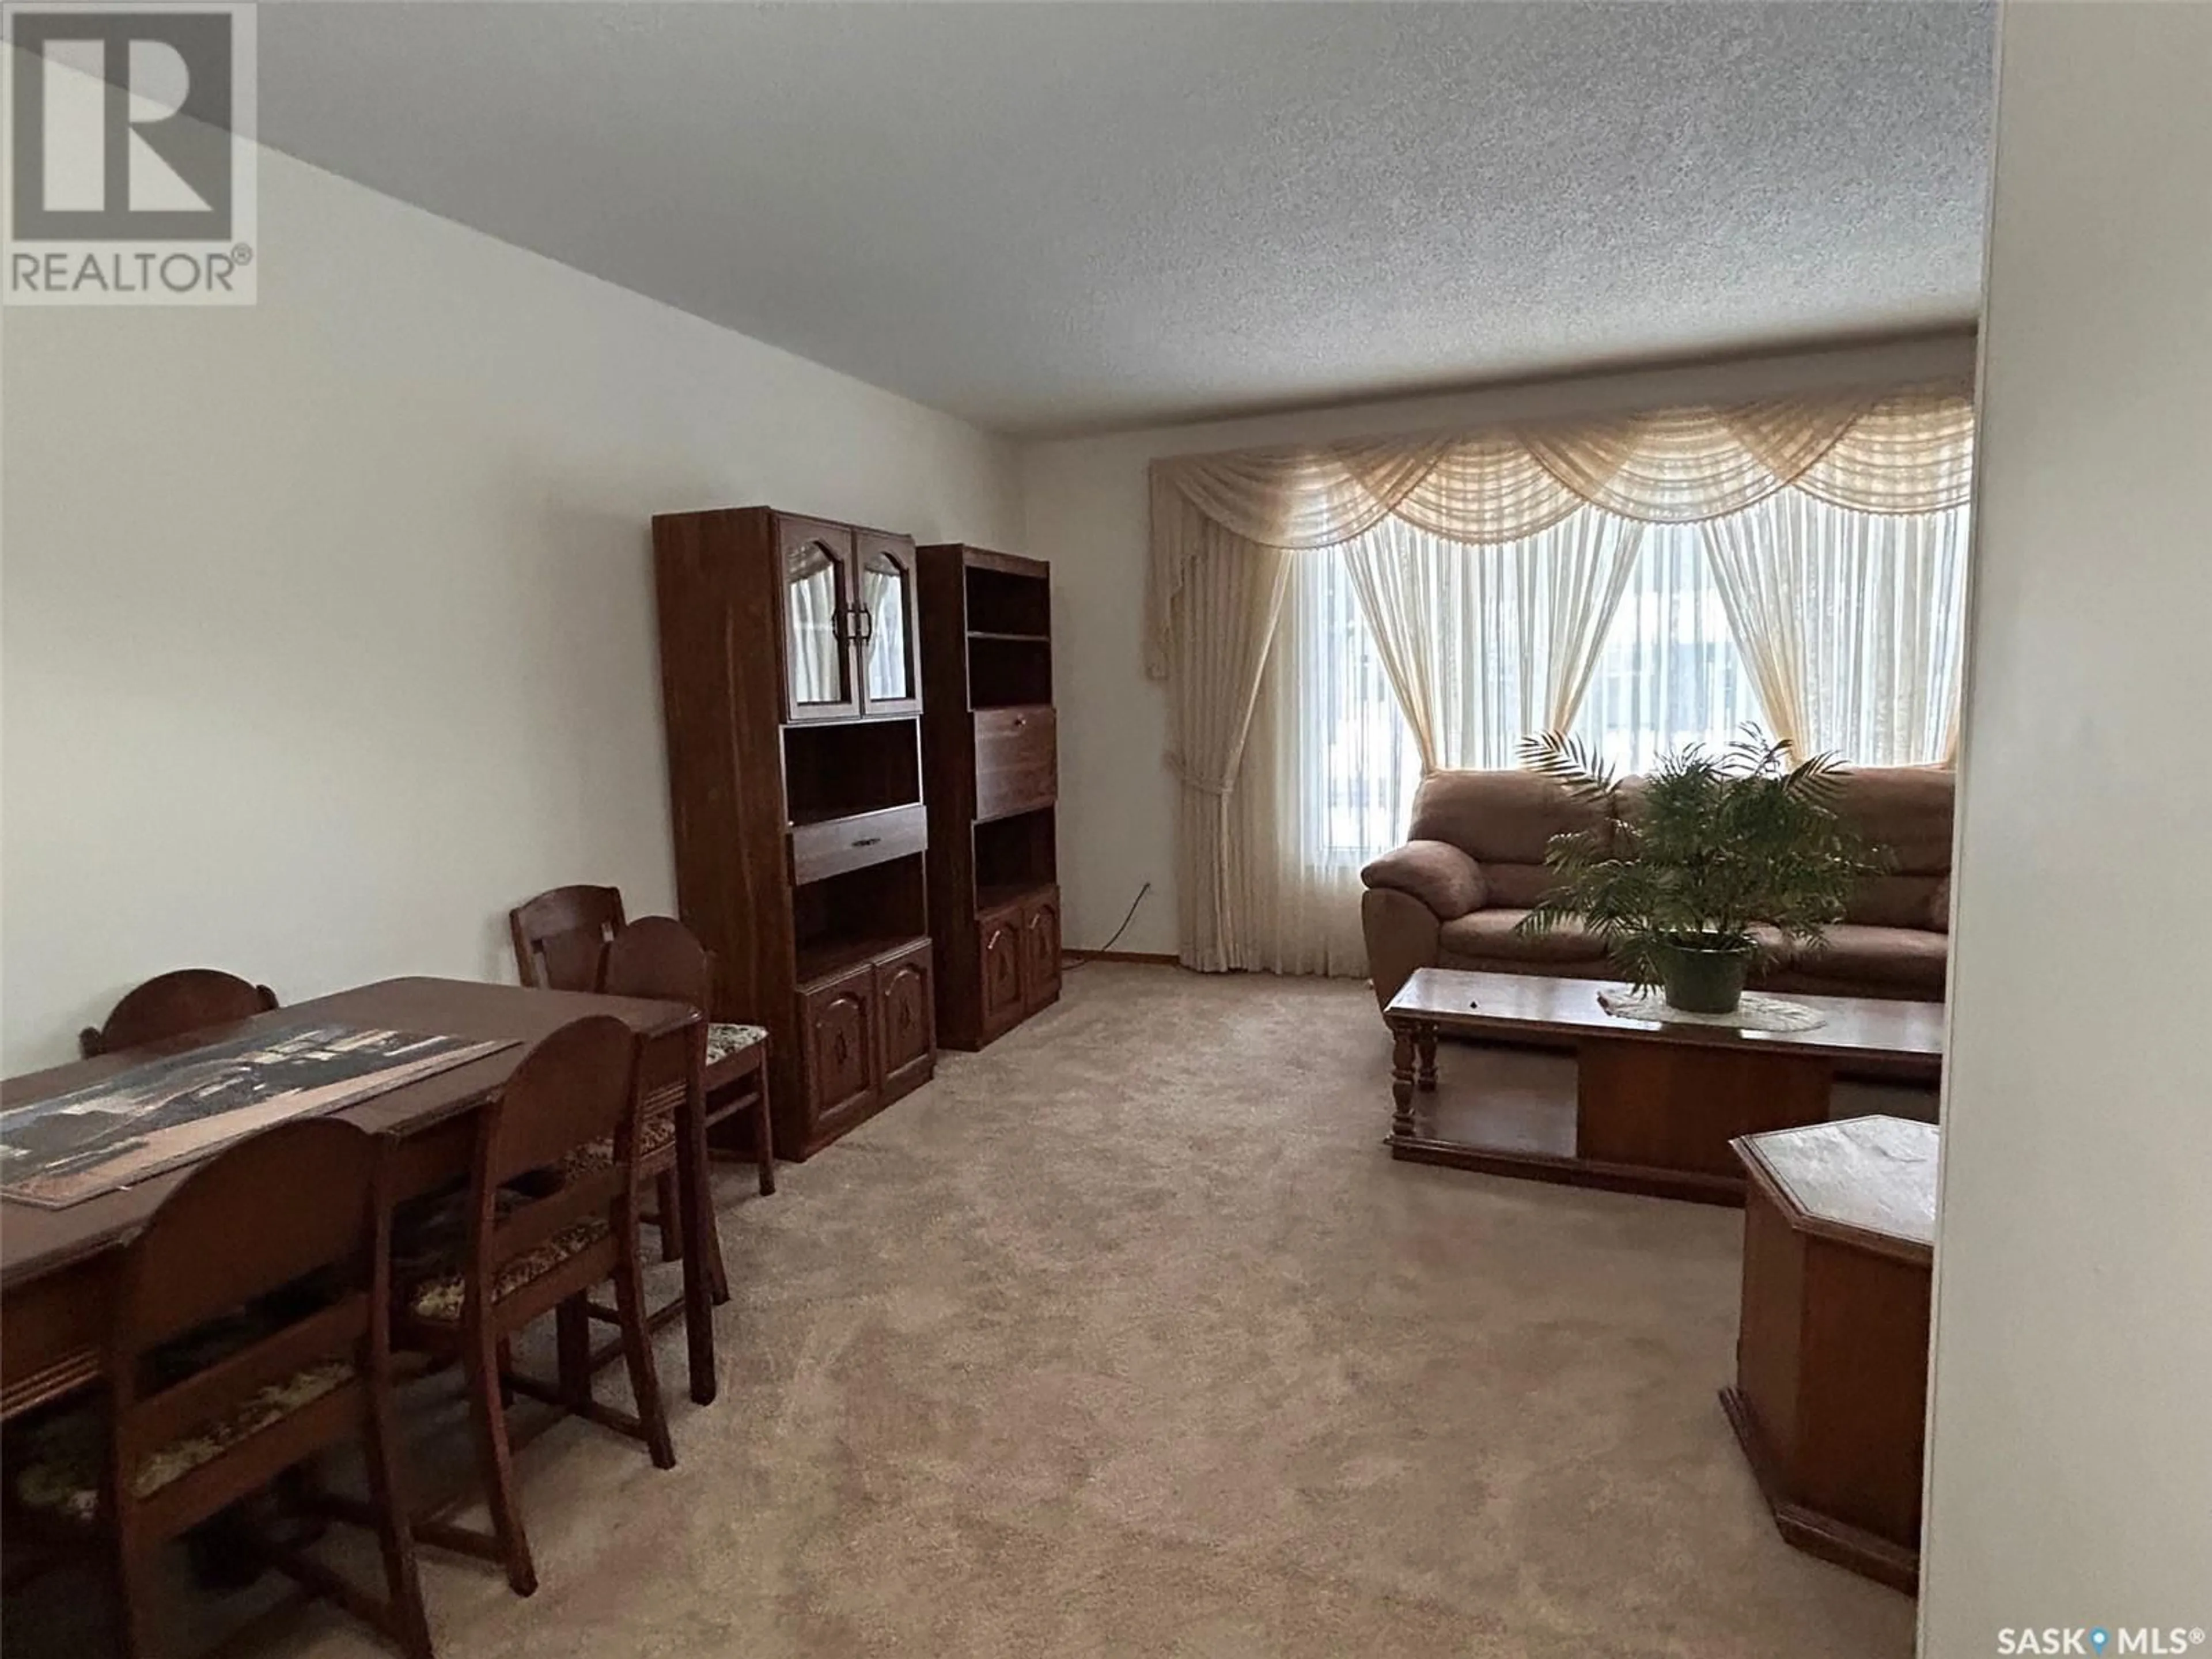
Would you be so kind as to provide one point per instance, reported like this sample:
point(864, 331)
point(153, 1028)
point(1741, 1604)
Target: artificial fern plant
point(1707, 846)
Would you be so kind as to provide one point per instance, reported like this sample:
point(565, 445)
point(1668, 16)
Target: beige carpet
point(1127, 1336)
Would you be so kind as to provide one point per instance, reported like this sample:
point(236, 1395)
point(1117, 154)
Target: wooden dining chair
point(297, 1208)
point(558, 936)
point(172, 1004)
point(683, 1092)
point(542, 1231)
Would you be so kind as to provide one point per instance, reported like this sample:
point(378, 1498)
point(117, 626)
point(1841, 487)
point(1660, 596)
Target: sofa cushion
point(1906, 809)
point(1893, 901)
point(1517, 886)
point(1489, 936)
point(1903, 959)
point(1436, 873)
point(1497, 817)
point(1939, 907)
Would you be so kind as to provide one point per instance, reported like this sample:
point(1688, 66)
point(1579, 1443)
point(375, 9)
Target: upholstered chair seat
point(440, 1297)
point(728, 1038)
point(61, 1474)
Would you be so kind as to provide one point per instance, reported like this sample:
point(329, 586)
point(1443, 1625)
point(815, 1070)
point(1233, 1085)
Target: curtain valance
point(1909, 452)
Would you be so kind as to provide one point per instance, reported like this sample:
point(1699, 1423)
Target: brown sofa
point(1474, 863)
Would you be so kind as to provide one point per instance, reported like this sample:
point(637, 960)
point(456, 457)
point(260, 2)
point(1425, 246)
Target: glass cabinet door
point(891, 672)
point(818, 624)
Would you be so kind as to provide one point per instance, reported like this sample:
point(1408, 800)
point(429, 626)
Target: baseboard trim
point(1149, 958)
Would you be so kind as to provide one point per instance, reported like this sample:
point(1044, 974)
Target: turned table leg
point(1425, 1040)
point(1401, 1082)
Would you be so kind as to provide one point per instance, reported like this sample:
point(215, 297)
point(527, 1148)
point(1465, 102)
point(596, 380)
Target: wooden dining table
point(59, 1267)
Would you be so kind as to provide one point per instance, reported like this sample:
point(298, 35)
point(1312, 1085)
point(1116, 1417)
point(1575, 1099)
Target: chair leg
point(410, 1622)
point(637, 1351)
point(135, 1624)
point(572, 1348)
point(763, 1140)
point(718, 1276)
point(496, 1461)
point(670, 1217)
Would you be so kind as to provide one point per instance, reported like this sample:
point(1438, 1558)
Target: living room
point(1262, 425)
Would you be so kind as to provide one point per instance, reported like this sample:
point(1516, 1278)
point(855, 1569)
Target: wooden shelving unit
point(791, 679)
point(991, 764)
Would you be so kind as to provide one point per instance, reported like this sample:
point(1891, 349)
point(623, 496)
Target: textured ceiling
point(1045, 217)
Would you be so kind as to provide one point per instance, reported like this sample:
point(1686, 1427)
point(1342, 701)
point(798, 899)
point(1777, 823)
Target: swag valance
point(1901, 452)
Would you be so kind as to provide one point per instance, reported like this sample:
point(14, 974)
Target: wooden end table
point(1654, 1105)
point(1831, 1394)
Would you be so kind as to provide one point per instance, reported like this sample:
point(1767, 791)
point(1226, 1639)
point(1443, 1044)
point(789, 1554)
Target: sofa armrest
point(1436, 873)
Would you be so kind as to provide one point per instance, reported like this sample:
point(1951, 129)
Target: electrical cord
point(1075, 959)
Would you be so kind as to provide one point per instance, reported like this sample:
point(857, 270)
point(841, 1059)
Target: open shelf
point(1008, 672)
point(837, 769)
point(1015, 857)
point(843, 921)
point(1001, 602)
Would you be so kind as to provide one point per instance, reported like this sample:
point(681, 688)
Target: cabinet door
point(818, 626)
point(890, 641)
point(1041, 950)
point(837, 1036)
point(907, 1016)
point(1001, 940)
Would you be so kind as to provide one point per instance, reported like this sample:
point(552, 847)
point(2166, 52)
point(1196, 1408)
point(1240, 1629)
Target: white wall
point(1084, 506)
point(328, 624)
point(2071, 1441)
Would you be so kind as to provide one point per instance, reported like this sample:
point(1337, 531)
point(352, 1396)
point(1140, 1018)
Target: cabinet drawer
point(1016, 760)
point(830, 848)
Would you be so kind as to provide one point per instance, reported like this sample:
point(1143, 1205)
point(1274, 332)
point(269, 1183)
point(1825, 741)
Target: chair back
point(559, 935)
point(659, 959)
point(171, 1005)
point(300, 1204)
point(572, 1090)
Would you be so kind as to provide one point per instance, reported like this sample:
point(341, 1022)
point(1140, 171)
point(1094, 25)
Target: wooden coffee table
point(1654, 1106)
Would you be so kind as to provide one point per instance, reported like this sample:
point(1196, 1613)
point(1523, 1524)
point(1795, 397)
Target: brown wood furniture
point(1831, 1364)
point(561, 940)
point(991, 762)
point(1656, 1105)
point(535, 1248)
point(791, 685)
point(559, 934)
point(301, 1202)
point(170, 1004)
point(59, 1269)
point(657, 959)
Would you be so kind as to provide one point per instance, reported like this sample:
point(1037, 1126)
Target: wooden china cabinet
point(990, 744)
point(790, 683)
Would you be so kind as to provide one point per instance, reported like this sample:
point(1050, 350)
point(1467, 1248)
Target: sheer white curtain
point(1852, 623)
point(1669, 673)
point(1328, 775)
point(1484, 645)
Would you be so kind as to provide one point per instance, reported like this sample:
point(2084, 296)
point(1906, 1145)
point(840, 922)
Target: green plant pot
point(1703, 979)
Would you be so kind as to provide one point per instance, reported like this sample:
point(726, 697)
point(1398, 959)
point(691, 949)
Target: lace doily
point(1755, 1014)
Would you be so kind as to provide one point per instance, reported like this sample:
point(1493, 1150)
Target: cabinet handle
point(867, 841)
